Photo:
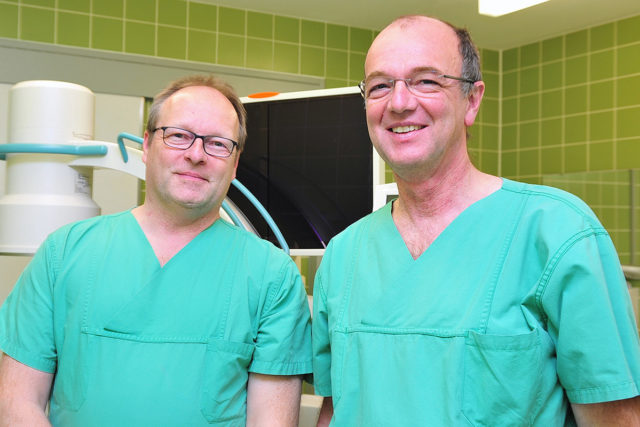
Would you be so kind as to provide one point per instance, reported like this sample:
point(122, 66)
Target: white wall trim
point(130, 74)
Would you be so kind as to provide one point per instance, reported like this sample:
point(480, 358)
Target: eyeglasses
point(423, 83)
point(182, 139)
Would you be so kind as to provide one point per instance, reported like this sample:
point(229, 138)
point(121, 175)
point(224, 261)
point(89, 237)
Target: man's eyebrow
point(376, 74)
point(426, 69)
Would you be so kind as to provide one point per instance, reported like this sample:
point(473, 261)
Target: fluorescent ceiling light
point(502, 7)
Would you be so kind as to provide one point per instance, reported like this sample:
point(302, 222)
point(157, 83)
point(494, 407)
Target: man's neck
point(168, 231)
point(426, 207)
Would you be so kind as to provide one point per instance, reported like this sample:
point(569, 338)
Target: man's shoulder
point(94, 222)
point(350, 235)
point(90, 228)
point(542, 198)
point(249, 242)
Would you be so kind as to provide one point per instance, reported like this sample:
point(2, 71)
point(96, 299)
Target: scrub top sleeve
point(26, 317)
point(283, 344)
point(591, 320)
point(320, 334)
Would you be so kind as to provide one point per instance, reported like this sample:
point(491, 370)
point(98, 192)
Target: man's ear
point(145, 145)
point(474, 100)
point(235, 166)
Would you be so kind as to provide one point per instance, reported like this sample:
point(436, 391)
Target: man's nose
point(401, 97)
point(196, 152)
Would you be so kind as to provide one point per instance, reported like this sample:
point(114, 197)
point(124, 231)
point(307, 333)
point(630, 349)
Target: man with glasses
point(470, 299)
point(165, 314)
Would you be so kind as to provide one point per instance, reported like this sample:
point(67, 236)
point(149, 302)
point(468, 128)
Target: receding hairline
point(197, 88)
point(406, 21)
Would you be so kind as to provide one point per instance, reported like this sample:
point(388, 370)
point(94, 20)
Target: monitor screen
point(308, 160)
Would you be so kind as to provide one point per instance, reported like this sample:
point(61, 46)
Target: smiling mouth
point(191, 175)
point(405, 129)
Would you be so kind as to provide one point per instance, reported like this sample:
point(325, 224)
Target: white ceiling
point(516, 29)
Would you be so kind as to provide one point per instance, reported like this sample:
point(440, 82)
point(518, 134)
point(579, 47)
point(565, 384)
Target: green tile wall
point(484, 142)
point(588, 87)
point(189, 30)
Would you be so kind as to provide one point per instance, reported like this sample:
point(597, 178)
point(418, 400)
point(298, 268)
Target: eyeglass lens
point(183, 139)
point(422, 84)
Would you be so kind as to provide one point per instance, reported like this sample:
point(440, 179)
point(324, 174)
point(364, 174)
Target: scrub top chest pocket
point(502, 379)
point(224, 394)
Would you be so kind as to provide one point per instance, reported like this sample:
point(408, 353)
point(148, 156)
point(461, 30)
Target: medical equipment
point(49, 163)
point(309, 160)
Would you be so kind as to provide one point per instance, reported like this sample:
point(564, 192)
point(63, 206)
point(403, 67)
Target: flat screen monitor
point(308, 160)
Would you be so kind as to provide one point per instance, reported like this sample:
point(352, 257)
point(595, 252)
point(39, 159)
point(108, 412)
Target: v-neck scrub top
point(518, 307)
point(134, 343)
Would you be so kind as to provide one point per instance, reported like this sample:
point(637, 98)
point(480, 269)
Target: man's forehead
point(417, 29)
point(423, 41)
point(194, 95)
point(196, 92)
point(199, 101)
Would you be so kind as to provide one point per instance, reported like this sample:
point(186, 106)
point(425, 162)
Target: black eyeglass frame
point(361, 85)
point(196, 136)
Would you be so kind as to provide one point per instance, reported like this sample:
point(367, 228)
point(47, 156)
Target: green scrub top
point(517, 307)
point(133, 343)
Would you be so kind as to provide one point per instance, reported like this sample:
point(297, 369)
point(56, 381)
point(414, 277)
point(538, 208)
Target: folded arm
point(24, 393)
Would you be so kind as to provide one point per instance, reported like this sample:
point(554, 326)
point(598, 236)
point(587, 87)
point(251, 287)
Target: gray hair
point(470, 58)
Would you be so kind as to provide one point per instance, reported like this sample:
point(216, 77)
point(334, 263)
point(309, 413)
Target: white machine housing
point(42, 191)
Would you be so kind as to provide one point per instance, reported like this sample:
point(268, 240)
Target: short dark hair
point(201, 80)
point(470, 58)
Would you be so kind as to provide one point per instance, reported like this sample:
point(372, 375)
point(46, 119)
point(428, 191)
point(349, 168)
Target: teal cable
point(123, 150)
point(75, 150)
point(244, 190)
point(231, 214)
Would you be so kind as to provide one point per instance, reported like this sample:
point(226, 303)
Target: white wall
point(112, 191)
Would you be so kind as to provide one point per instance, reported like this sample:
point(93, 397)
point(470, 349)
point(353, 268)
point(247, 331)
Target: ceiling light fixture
point(503, 7)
